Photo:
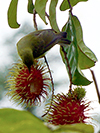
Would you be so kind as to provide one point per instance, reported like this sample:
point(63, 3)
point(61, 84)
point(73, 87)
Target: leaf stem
point(52, 85)
point(70, 6)
point(96, 85)
point(70, 75)
point(34, 19)
point(47, 16)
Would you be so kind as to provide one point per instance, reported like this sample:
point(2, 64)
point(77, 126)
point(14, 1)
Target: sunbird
point(37, 43)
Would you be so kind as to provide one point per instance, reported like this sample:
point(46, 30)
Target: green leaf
point(40, 7)
point(71, 53)
point(14, 121)
point(87, 58)
point(79, 78)
point(12, 14)
point(84, 61)
point(52, 13)
point(75, 128)
point(30, 6)
point(64, 5)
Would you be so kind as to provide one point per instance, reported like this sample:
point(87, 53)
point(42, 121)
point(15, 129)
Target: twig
point(52, 86)
point(96, 86)
point(34, 19)
point(70, 75)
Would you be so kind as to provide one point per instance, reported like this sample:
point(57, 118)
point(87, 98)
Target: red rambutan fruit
point(68, 109)
point(28, 87)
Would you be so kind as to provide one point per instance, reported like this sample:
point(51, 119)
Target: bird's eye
point(65, 34)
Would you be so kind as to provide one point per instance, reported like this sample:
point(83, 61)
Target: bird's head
point(27, 57)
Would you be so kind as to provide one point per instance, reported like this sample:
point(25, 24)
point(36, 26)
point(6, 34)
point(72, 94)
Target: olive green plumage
point(35, 44)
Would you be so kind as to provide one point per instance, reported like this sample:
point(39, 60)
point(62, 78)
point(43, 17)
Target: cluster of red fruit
point(27, 88)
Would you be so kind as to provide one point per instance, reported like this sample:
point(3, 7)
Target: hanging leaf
point(30, 6)
point(12, 14)
point(86, 57)
point(72, 54)
point(40, 7)
point(79, 78)
point(84, 61)
point(52, 13)
point(64, 5)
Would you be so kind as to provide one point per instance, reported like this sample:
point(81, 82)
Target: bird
point(35, 44)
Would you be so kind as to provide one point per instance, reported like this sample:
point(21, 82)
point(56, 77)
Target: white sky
point(89, 16)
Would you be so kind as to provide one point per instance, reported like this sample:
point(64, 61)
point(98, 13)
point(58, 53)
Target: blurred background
point(88, 14)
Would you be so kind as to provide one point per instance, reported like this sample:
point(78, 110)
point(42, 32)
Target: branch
point(96, 86)
point(52, 86)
